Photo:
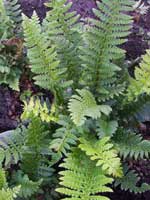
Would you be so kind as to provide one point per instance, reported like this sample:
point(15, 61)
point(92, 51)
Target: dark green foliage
point(129, 182)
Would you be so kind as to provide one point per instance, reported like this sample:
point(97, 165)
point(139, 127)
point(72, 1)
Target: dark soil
point(10, 105)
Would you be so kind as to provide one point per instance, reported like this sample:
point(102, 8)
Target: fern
point(43, 57)
point(27, 186)
point(13, 11)
point(11, 147)
point(63, 139)
point(131, 145)
point(35, 144)
point(5, 23)
point(3, 181)
point(9, 194)
point(140, 84)
point(129, 182)
point(81, 179)
point(104, 153)
point(106, 128)
point(101, 46)
point(83, 105)
point(61, 26)
point(42, 109)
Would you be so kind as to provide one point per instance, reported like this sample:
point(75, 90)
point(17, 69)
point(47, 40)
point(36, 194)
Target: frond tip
point(83, 105)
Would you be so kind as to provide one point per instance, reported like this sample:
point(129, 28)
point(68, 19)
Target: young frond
point(131, 145)
point(42, 109)
point(141, 83)
point(81, 179)
point(102, 40)
point(129, 182)
point(3, 181)
point(104, 153)
point(84, 105)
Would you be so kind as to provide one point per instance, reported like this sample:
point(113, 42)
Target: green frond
point(9, 194)
point(81, 179)
point(141, 83)
point(34, 147)
point(5, 23)
point(131, 145)
point(27, 186)
point(11, 147)
point(129, 182)
point(104, 153)
point(43, 57)
point(84, 105)
point(63, 139)
point(106, 128)
point(3, 181)
point(62, 29)
point(102, 40)
point(13, 10)
point(42, 109)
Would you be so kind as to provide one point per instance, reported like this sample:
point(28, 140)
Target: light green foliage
point(43, 57)
point(81, 179)
point(129, 182)
point(63, 139)
point(131, 145)
point(41, 109)
point(104, 153)
point(3, 181)
point(63, 31)
point(5, 23)
point(11, 147)
point(27, 186)
point(84, 105)
point(102, 41)
point(9, 194)
point(106, 128)
point(141, 83)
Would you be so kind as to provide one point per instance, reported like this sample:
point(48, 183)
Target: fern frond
point(129, 182)
point(84, 105)
point(42, 109)
point(35, 144)
point(140, 84)
point(63, 139)
point(106, 128)
point(9, 194)
point(131, 145)
point(13, 10)
point(104, 153)
point(11, 147)
point(43, 57)
point(3, 181)
point(27, 186)
point(102, 41)
point(81, 179)
point(60, 24)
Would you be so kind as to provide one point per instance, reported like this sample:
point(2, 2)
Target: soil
point(11, 107)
